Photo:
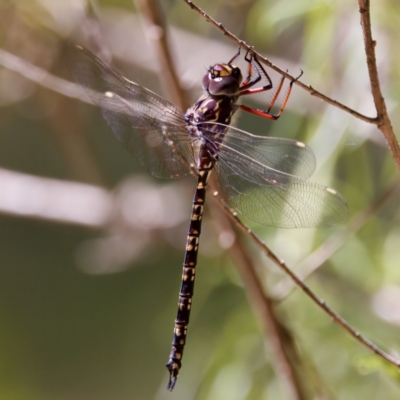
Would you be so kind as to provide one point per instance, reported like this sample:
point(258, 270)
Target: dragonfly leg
point(248, 82)
point(234, 57)
point(267, 113)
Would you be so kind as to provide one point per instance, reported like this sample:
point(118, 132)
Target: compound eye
point(223, 86)
point(236, 73)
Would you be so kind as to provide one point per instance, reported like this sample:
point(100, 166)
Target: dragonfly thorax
point(221, 84)
point(209, 108)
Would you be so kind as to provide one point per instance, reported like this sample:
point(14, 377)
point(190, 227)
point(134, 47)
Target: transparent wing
point(268, 153)
point(257, 176)
point(148, 126)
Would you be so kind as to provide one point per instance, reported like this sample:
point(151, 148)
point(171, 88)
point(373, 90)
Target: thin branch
point(335, 242)
point(54, 200)
point(41, 76)
point(270, 64)
point(317, 300)
point(91, 206)
point(157, 33)
point(276, 337)
point(383, 120)
point(282, 350)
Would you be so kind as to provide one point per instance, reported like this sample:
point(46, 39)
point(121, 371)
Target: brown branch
point(317, 300)
point(335, 242)
point(271, 65)
point(282, 350)
point(157, 33)
point(383, 120)
point(41, 76)
point(276, 336)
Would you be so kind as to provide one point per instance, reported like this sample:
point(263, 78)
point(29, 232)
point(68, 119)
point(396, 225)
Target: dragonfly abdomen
point(205, 166)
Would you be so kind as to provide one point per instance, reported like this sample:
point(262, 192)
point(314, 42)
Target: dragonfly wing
point(276, 198)
point(162, 148)
point(148, 126)
point(284, 155)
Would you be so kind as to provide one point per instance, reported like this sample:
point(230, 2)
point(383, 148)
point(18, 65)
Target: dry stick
point(321, 303)
point(157, 33)
point(41, 76)
point(383, 120)
point(334, 243)
point(275, 335)
point(282, 350)
point(271, 65)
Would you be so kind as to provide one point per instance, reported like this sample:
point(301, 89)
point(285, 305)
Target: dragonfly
point(263, 178)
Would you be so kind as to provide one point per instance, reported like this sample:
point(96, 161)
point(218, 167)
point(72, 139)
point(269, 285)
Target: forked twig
point(271, 65)
point(382, 121)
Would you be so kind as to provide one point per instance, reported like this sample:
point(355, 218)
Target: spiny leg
point(267, 113)
point(234, 57)
point(248, 82)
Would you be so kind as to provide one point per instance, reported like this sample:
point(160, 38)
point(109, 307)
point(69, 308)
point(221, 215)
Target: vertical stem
point(158, 34)
point(384, 123)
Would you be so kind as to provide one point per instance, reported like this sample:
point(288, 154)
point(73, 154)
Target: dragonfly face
point(263, 178)
point(222, 80)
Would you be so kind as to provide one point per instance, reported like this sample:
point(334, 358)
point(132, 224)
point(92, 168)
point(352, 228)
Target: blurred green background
point(87, 305)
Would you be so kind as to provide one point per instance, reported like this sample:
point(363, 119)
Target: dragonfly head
point(222, 80)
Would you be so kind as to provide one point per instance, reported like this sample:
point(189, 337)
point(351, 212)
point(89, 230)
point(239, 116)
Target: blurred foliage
point(66, 334)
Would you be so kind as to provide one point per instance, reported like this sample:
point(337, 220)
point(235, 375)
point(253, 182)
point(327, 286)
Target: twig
point(275, 335)
point(56, 200)
point(334, 243)
point(270, 64)
point(157, 33)
point(383, 120)
point(41, 76)
point(282, 350)
point(317, 300)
